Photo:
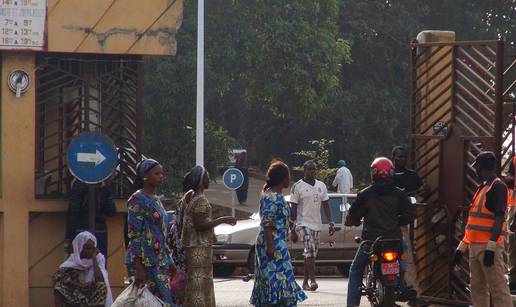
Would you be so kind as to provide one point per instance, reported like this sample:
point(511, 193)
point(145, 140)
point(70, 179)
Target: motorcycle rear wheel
point(381, 296)
point(386, 295)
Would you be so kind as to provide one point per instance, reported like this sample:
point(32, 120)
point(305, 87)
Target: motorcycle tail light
point(390, 256)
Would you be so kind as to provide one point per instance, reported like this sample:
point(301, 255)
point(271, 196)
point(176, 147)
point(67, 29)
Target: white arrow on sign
point(96, 157)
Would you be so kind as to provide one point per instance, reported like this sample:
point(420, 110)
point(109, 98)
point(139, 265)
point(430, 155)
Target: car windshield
point(337, 208)
point(335, 203)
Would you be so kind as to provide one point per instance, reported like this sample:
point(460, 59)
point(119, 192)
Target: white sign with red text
point(22, 24)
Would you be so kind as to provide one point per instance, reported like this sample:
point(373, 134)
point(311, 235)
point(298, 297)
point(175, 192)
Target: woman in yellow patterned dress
point(197, 237)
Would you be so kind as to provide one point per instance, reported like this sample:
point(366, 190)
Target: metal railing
point(463, 102)
point(77, 93)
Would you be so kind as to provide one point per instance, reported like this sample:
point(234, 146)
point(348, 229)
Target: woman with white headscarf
point(197, 237)
point(82, 280)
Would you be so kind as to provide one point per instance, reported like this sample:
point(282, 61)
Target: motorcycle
point(383, 283)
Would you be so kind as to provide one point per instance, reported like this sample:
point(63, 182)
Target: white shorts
point(310, 241)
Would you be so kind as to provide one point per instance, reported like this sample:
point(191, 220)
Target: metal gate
point(77, 93)
point(463, 101)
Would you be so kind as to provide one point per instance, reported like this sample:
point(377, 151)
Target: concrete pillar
point(435, 109)
point(18, 151)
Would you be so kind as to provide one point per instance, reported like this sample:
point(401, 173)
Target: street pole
point(233, 203)
point(92, 206)
point(199, 138)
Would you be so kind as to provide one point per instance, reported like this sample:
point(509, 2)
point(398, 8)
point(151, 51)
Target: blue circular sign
point(92, 157)
point(233, 178)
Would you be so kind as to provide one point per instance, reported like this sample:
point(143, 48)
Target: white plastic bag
point(133, 296)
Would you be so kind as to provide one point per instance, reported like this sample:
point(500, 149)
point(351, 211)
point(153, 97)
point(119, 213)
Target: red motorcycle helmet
point(382, 168)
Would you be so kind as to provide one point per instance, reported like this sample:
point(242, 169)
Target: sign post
point(92, 157)
point(233, 179)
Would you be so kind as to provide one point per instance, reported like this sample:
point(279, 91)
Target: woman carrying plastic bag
point(134, 296)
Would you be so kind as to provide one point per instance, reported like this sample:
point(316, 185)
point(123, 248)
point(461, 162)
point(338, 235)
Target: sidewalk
point(219, 195)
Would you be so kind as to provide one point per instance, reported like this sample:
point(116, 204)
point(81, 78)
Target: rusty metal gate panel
point(462, 102)
point(77, 93)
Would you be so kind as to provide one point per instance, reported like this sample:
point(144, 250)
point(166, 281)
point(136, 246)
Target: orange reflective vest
point(480, 219)
point(511, 197)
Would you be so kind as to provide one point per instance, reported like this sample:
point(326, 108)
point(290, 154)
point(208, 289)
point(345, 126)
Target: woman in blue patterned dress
point(148, 257)
point(275, 284)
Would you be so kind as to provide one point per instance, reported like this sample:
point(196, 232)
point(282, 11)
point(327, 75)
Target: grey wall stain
point(166, 35)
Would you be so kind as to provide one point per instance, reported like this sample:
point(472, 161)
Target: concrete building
point(67, 67)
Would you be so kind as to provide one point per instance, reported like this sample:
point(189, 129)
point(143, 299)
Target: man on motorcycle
point(384, 209)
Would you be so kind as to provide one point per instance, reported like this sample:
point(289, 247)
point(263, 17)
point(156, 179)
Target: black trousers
point(242, 191)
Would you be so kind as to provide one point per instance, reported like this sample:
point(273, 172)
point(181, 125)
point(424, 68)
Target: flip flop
point(306, 287)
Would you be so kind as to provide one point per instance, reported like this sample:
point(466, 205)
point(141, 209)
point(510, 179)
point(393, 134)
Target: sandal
point(306, 287)
point(314, 286)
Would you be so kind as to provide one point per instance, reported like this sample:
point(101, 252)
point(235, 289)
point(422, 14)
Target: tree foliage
point(268, 63)
point(320, 153)
point(375, 99)
point(280, 73)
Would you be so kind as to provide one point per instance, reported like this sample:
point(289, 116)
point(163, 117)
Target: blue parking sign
point(233, 178)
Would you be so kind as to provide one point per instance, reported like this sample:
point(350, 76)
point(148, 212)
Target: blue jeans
point(403, 264)
point(356, 274)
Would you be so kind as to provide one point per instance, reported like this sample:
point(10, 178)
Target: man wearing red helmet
point(384, 209)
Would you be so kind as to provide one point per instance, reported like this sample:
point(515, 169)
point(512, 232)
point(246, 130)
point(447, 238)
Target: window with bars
point(78, 93)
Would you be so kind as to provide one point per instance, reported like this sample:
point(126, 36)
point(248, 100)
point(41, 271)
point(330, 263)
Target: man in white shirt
point(306, 198)
point(343, 180)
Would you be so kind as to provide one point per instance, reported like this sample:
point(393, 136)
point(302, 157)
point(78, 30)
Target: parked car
point(235, 246)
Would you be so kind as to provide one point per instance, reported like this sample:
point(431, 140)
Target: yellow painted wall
point(18, 132)
point(114, 26)
point(32, 231)
point(46, 252)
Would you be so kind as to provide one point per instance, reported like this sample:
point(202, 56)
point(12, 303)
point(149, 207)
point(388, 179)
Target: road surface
point(233, 292)
point(219, 195)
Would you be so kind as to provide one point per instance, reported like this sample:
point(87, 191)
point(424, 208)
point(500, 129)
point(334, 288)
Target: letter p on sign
point(233, 178)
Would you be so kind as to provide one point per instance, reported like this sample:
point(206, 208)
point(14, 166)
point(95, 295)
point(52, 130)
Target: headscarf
point(342, 163)
point(197, 173)
point(74, 261)
point(145, 166)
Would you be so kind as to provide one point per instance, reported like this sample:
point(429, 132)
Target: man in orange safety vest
point(484, 237)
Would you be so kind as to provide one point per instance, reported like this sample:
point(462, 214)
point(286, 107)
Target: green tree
point(319, 151)
point(274, 66)
point(271, 66)
point(281, 73)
